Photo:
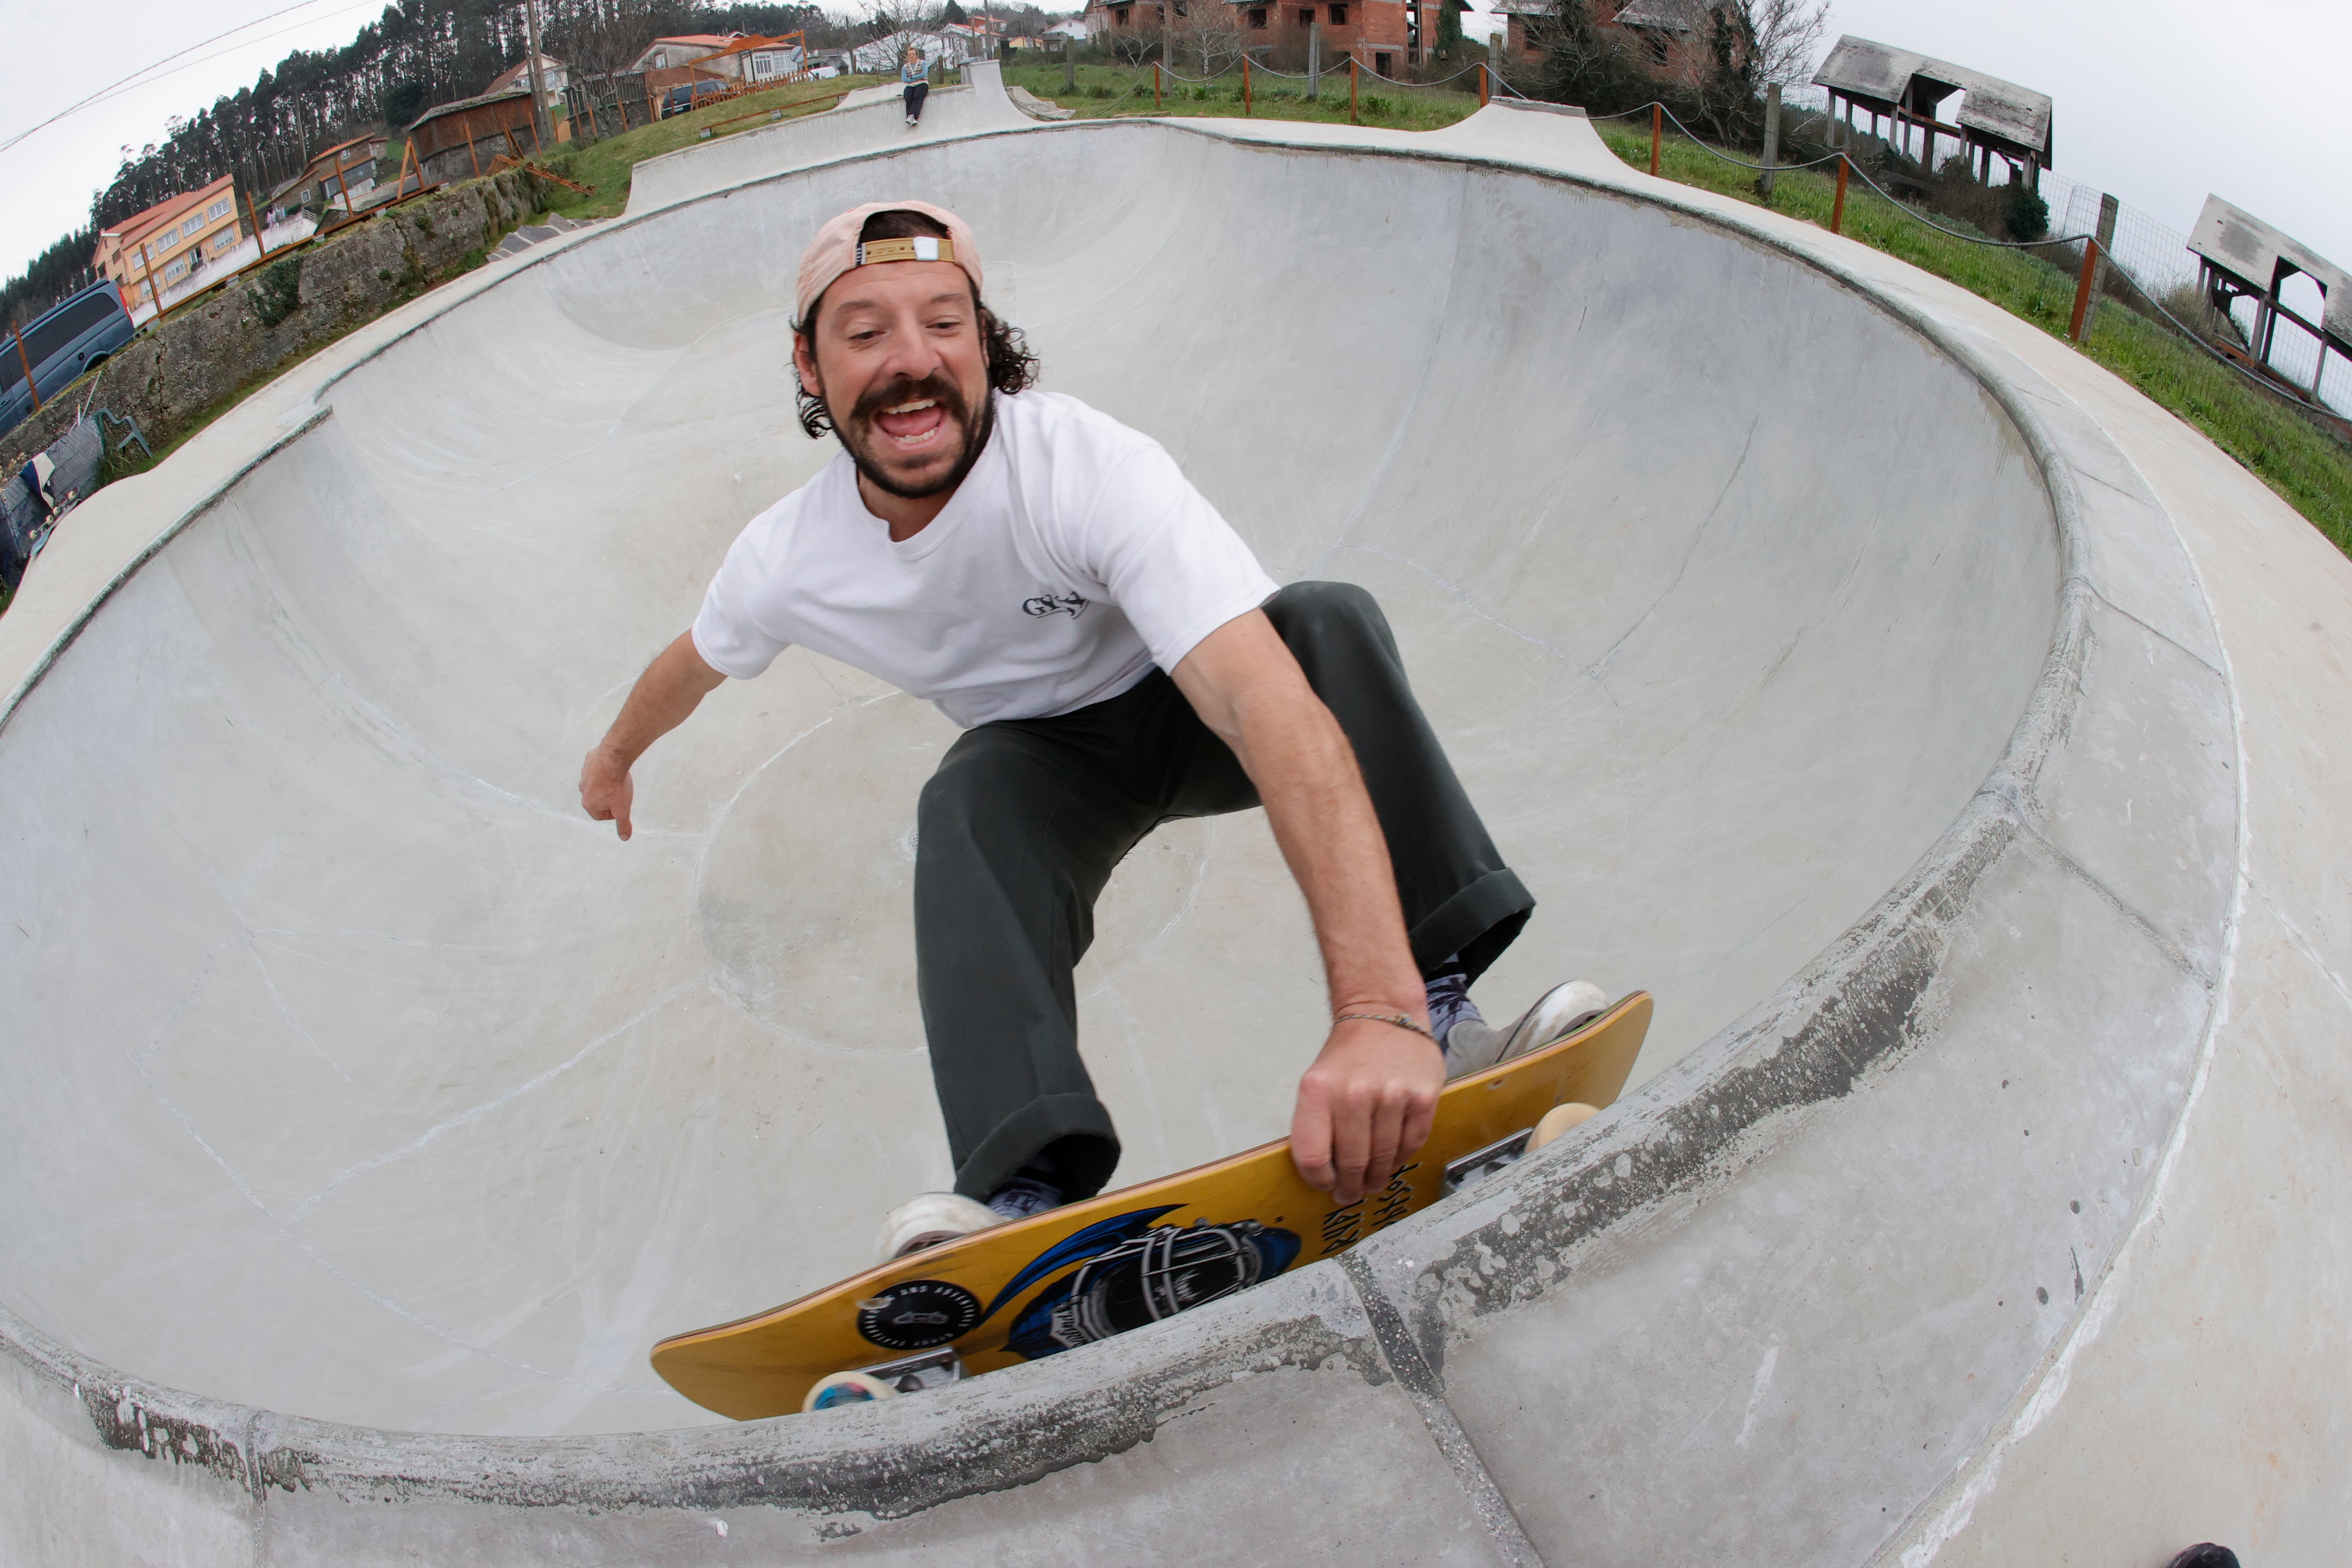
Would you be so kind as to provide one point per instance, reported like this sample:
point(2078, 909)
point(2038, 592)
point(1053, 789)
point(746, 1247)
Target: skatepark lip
point(1887, 1002)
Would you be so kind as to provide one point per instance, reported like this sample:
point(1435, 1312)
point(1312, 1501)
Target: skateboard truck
point(1480, 1163)
point(926, 1369)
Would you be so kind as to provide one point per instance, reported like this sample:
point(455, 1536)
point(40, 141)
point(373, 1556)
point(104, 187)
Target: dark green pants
point(1021, 823)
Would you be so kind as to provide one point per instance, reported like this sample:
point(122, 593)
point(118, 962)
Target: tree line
point(416, 54)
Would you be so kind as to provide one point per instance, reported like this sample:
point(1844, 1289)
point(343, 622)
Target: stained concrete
point(1816, 639)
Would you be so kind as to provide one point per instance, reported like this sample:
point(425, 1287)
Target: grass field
point(1107, 90)
point(606, 165)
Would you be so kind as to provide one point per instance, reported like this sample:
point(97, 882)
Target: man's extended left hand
point(1365, 1107)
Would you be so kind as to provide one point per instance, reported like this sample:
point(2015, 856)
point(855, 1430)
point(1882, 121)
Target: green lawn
point(1109, 90)
point(606, 165)
point(2310, 468)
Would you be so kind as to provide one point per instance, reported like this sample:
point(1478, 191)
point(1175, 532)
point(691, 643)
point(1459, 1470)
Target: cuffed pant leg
point(1458, 896)
point(1015, 842)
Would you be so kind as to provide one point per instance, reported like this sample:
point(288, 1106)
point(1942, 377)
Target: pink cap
point(834, 251)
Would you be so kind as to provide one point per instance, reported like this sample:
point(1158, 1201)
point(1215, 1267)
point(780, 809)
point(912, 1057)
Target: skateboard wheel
point(1559, 1119)
point(846, 1388)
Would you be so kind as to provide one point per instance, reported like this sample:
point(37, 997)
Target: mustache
point(907, 389)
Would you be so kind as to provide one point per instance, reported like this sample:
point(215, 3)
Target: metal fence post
point(1771, 138)
point(1315, 60)
point(1657, 130)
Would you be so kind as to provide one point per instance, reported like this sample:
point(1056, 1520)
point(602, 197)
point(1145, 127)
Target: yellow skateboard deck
point(1091, 1269)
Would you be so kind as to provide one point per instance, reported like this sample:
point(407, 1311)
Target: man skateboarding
point(1117, 658)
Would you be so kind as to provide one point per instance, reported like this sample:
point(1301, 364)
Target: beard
point(865, 443)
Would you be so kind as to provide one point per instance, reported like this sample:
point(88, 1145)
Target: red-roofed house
point(677, 61)
point(154, 251)
point(756, 61)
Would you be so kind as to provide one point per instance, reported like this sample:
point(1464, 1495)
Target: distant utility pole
point(543, 132)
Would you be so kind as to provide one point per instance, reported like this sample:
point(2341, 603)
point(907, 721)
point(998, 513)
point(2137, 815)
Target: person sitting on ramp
point(1117, 658)
point(914, 83)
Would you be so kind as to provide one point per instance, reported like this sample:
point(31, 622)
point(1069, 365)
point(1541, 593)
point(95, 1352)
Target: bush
point(1373, 104)
point(276, 290)
point(2028, 216)
point(1100, 89)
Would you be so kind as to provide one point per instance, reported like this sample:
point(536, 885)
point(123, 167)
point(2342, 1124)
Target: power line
point(155, 72)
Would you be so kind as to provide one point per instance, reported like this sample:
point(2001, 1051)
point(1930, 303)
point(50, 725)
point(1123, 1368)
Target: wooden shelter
point(460, 141)
point(2240, 256)
point(1997, 119)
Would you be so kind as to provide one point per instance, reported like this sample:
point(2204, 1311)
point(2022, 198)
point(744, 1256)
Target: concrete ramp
point(867, 119)
point(1812, 634)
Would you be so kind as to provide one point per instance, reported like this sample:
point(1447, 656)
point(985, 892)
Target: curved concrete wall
point(1826, 667)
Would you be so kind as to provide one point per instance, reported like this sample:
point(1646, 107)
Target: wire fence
point(2148, 265)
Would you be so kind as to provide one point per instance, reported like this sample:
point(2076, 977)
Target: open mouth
point(912, 426)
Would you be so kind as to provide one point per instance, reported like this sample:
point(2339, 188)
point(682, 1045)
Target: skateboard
point(1091, 1269)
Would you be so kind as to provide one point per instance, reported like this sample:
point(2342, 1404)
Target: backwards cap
point(836, 248)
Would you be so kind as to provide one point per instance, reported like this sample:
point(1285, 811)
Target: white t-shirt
point(1074, 558)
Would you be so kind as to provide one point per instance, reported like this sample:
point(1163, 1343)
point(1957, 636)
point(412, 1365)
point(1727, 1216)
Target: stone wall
point(177, 372)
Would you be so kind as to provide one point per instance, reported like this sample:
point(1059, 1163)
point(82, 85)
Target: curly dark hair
point(1010, 366)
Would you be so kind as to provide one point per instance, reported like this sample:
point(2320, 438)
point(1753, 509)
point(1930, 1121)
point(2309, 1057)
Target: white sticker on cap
point(926, 248)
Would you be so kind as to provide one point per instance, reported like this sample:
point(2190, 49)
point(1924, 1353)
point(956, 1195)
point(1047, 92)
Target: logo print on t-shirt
point(1069, 604)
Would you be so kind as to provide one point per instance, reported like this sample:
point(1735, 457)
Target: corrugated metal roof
point(2249, 250)
point(2003, 110)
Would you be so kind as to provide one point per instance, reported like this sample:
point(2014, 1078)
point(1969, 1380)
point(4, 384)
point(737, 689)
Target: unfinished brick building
point(1669, 37)
point(1393, 38)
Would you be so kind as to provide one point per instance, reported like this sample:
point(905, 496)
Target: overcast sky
point(2157, 100)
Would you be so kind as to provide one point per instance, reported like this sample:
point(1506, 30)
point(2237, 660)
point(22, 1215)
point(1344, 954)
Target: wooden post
point(27, 361)
point(1155, 87)
point(1771, 138)
point(341, 189)
point(261, 246)
point(1351, 89)
point(1482, 84)
point(2083, 288)
point(1245, 91)
point(1837, 209)
point(2105, 235)
point(533, 75)
point(147, 276)
point(470, 154)
point(1069, 64)
point(1657, 133)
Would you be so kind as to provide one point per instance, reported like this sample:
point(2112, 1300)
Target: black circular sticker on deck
point(919, 1314)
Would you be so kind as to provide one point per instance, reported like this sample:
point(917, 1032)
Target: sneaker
point(928, 1219)
point(1450, 1004)
point(1473, 1045)
point(910, 120)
